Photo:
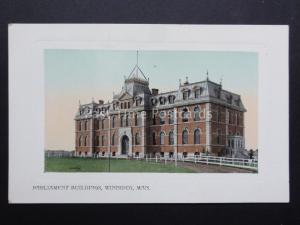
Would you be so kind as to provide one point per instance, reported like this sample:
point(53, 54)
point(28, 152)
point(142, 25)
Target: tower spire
point(137, 57)
point(207, 78)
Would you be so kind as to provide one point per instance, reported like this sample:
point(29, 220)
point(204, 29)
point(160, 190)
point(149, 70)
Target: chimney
point(154, 91)
point(101, 102)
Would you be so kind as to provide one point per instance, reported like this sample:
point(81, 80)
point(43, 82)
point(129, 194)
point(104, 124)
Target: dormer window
point(138, 101)
point(154, 101)
point(171, 99)
point(197, 93)
point(229, 99)
point(186, 95)
point(162, 100)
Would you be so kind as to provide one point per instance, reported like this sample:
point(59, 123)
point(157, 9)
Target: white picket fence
point(208, 160)
point(204, 159)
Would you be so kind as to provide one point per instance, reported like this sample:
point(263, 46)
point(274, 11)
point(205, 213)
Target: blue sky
point(90, 68)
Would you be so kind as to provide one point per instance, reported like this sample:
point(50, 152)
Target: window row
point(125, 120)
point(83, 141)
point(186, 94)
point(185, 116)
point(126, 105)
point(235, 118)
point(100, 140)
point(185, 137)
point(163, 100)
point(83, 125)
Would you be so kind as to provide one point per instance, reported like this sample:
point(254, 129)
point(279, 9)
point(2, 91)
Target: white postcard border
point(26, 114)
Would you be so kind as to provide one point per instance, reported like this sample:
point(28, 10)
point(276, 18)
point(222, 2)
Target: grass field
point(102, 165)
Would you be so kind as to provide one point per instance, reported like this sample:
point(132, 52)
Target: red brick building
point(196, 118)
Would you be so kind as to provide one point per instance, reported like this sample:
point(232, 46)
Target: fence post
point(206, 160)
point(220, 161)
point(156, 159)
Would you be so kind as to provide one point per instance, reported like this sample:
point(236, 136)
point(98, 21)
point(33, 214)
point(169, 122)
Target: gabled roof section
point(125, 96)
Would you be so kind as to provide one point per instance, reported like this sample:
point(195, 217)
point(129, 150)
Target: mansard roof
point(137, 85)
point(137, 75)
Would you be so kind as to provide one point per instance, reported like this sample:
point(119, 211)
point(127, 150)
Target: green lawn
point(102, 165)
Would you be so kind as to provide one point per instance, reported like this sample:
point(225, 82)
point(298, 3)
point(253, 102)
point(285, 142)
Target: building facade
point(196, 118)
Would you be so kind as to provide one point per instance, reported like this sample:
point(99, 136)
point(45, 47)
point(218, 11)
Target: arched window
point(137, 102)
point(218, 136)
point(171, 117)
point(154, 101)
point(79, 141)
point(113, 122)
point(171, 138)
point(185, 115)
point(196, 113)
point(171, 99)
point(139, 119)
point(96, 143)
point(162, 117)
point(137, 139)
point(102, 124)
point(127, 121)
point(162, 138)
point(230, 117)
point(85, 140)
point(122, 105)
point(113, 139)
point(185, 95)
point(86, 125)
point(96, 123)
point(136, 119)
point(197, 136)
point(122, 121)
point(197, 93)
point(218, 116)
point(162, 100)
point(185, 137)
point(79, 126)
point(102, 140)
point(153, 138)
point(154, 119)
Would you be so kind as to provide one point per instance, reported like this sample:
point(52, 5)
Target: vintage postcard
point(148, 113)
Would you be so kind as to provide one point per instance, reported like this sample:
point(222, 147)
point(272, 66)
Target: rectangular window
point(197, 93)
point(185, 95)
